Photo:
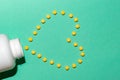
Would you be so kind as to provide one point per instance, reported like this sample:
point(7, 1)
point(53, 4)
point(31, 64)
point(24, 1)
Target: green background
point(99, 34)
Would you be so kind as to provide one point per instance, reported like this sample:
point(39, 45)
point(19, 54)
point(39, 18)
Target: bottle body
point(8, 55)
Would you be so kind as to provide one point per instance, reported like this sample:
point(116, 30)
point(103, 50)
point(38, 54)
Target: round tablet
point(68, 40)
point(81, 48)
point(35, 33)
point(67, 68)
point(77, 26)
point(26, 48)
point(73, 65)
point(33, 52)
point(75, 19)
point(58, 65)
point(54, 12)
point(48, 16)
point(75, 44)
point(74, 33)
point(51, 62)
point(30, 39)
point(80, 61)
point(38, 27)
point(71, 15)
point(82, 54)
point(63, 12)
point(39, 55)
point(44, 59)
point(43, 21)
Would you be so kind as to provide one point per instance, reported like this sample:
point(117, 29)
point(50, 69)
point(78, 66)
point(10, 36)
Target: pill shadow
point(12, 72)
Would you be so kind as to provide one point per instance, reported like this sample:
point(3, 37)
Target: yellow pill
point(35, 33)
point(75, 19)
point(54, 12)
point(43, 21)
point(63, 12)
point(51, 62)
point(30, 39)
point(33, 52)
point(71, 15)
point(68, 40)
point(74, 33)
point(77, 26)
point(58, 65)
point(80, 61)
point(38, 27)
point(75, 44)
point(82, 54)
point(39, 55)
point(48, 16)
point(73, 65)
point(81, 48)
point(67, 68)
point(26, 47)
point(44, 59)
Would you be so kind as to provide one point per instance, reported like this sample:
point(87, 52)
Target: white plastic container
point(10, 50)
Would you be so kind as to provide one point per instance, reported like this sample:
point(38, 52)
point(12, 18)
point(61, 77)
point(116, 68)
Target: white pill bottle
point(10, 50)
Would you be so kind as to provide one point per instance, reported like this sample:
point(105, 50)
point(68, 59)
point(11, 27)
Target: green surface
point(99, 34)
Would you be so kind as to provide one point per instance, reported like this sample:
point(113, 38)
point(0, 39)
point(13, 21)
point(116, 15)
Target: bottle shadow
point(12, 72)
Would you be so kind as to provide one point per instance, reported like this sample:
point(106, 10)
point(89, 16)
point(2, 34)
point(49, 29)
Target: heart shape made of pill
point(68, 40)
